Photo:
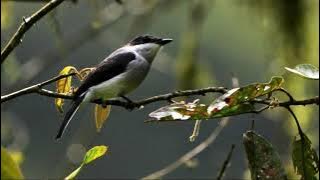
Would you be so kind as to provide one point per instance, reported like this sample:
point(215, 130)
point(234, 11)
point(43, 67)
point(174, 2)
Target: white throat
point(147, 51)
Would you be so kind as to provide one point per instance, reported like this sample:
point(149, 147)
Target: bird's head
point(147, 45)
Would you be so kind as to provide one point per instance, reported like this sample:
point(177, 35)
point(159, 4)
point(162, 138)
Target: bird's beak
point(164, 41)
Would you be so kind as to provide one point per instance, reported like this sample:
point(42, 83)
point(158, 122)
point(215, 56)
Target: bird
point(117, 75)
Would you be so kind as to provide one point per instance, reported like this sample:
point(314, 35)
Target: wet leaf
point(9, 168)
point(91, 155)
point(64, 85)
point(305, 70)
point(264, 161)
point(304, 153)
point(101, 114)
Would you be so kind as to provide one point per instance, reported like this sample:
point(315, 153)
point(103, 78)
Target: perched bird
point(117, 75)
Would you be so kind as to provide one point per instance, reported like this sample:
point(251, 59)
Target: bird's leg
point(131, 104)
point(101, 102)
point(127, 99)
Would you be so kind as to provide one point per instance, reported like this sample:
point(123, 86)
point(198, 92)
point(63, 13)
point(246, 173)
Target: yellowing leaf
point(84, 72)
point(94, 153)
point(64, 85)
point(9, 168)
point(101, 114)
point(91, 155)
point(17, 156)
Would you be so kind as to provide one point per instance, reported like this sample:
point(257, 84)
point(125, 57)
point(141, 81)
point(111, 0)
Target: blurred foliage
point(90, 156)
point(264, 160)
point(291, 27)
point(6, 14)
point(305, 158)
point(9, 168)
point(293, 30)
point(305, 70)
point(190, 73)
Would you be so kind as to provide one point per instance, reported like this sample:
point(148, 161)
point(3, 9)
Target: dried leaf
point(64, 85)
point(101, 114)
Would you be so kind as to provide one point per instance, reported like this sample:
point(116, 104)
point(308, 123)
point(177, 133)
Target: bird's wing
point(107, 69)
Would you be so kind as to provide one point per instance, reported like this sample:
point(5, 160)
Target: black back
point(106, 70)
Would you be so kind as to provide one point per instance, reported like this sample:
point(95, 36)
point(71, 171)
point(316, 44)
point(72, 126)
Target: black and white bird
point(117, 75)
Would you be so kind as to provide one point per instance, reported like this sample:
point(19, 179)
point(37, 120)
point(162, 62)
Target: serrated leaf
point(305, 70)
point(94, 153)
point(90, 155)
point(64, 85)
point(304, 156)
point(9, 168)
point(264, 161)
point(101, 114)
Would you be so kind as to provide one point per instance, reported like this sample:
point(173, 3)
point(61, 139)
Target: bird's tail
point(69, 115)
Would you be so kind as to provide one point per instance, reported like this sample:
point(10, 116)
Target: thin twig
point(25, 26)
point(226, 163)
point(206, 143)
point(37, 88)
point(196, 130)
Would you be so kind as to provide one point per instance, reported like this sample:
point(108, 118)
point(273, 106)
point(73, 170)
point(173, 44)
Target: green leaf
point(94, 153)
point(303, 153)
point(91, 155)
point(264, 161)
point(305, 70)
point(9, 168)
point(234, 102)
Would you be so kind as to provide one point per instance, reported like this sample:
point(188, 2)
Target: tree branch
point(25, 26)
point(164, 97)
point(37, 88)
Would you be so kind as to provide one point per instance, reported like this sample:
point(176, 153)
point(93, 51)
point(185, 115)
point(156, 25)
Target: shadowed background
point(213, 40)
